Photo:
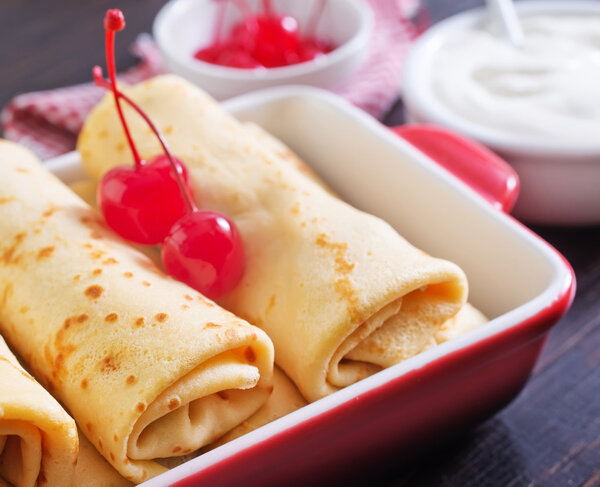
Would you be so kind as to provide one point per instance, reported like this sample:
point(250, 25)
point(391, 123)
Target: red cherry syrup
point(265, 40)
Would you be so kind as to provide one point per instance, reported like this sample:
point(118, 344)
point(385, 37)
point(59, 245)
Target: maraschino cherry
point(203, 249)
point(140, 202)
point(267, 40)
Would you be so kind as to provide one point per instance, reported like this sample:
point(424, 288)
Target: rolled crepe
point(336, 289)
point(285, 399)
point(38, 439)
point(147, 367)
point(467, 319)
point(93, 470)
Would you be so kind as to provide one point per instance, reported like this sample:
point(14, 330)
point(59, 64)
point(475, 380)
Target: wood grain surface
point(549, 436)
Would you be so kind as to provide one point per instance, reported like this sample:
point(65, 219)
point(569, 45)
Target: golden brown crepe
point(86, 190)
point(93, 470)
point(147, 367)
point(38, 439)
point(339, 292)
point(467, 319)
point(286, 398)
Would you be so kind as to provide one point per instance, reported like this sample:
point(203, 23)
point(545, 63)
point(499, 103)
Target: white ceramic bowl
point(559, 181)
point(183, 26)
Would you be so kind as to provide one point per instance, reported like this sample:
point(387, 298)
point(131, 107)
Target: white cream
point(549, 89)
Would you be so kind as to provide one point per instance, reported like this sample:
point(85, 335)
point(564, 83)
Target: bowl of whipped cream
point(536, 105)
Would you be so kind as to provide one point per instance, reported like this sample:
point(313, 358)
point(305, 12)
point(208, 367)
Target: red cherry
point(276, 42)
point(266, 40)
point(152, 202)
point(208, 54)
point(114, 20)
point(205, 250)
point(311, 48)
point(141, 203)
point(235, 57)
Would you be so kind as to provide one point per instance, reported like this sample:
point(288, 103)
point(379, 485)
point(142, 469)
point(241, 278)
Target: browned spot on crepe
point(100, 445)
point(24, 309)
point(96, 272)
point(161, 317)
point(168, 130)
point(77, 277)
point(94, 291)
point(140, 321)
point(146, 283)
point(50, 211)
point(210, 324)
point(188, 297)
point(128, 274)
point(8, 291)
point(249, 354)
point(45, 252)
point(112, 456)
point(8, 256)
point(7, 199)
point(140, 406)
point(103, 134)
point(97, 254)
point(109, 364)
point(84, 383)
point(115, 437)
point(111, 317)
point(271, 304)
point(22, 170)
point(96, 235)
point(176, 449)
point(174, 403)
point(91, 218)
point(130, 380)
point(81, 318)
point(344, 287)
point(110, 260)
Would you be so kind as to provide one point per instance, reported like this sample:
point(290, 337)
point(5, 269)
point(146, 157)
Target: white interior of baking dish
point(512, 273)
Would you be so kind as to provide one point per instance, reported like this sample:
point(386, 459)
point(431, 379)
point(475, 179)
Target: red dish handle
point(469, 161)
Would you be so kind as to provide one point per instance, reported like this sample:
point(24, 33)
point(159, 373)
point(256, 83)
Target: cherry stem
point(101, 82)
point(219, 22)
point(114, 21)
point(267, 7)
point(314, 17)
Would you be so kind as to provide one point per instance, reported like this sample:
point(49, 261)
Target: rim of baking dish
point(555, 298)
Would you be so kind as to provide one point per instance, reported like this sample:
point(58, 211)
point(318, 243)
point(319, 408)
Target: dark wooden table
point(549, 436)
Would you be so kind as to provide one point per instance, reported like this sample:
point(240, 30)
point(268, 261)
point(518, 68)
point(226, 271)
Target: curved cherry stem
point(114, 22)
point(314, 17)
point(220, 21)
point(267, 8)
point(101, 82)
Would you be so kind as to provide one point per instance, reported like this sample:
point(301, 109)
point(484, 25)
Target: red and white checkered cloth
point(48, 121)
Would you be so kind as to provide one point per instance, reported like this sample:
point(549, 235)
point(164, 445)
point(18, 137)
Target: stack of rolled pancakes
point(152, 371)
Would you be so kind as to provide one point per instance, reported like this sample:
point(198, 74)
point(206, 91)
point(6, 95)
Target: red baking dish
point(448, 196)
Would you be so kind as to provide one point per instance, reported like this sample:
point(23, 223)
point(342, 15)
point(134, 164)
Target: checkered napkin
point(48, 121)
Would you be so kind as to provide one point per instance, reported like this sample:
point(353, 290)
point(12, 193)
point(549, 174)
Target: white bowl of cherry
point(229, 47)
